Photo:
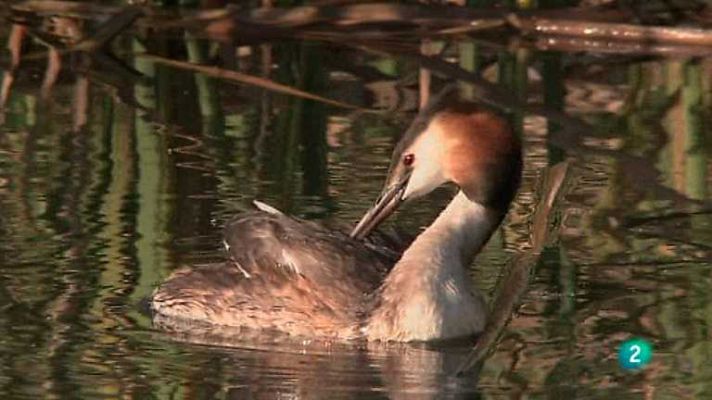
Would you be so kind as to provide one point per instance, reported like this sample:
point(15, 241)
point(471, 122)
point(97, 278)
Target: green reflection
point(153, 183)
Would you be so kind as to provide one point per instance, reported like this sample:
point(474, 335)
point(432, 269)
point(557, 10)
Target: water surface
point(105, 188)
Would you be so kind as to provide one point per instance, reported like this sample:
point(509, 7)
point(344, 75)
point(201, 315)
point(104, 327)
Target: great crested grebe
point(297, 277)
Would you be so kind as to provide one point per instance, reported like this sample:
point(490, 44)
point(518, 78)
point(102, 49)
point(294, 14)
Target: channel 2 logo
point(635, 354)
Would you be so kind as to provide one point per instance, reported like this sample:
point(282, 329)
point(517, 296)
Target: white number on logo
point(636, 352)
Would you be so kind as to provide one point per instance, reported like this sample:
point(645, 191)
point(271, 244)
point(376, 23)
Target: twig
point(372, 13)
point(616, 31)
point(65, 8)
point(234, 76)
point(521, 266)
point(630, 48)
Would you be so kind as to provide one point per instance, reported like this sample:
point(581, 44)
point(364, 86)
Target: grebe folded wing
point(282, 273)
point(261, 243)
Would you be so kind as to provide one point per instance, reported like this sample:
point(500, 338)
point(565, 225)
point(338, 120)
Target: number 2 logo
point(635, 353)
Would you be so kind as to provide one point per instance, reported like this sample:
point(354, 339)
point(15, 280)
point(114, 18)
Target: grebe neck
point(463, 228)
point(428, 294)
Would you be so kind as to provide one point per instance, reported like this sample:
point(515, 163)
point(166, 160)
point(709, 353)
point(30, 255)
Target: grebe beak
point(388, 201)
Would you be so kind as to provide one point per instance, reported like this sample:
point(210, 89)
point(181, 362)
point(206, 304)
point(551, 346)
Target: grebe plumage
point(300, 278)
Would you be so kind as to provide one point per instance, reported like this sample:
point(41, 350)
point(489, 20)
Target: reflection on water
point(107, 187)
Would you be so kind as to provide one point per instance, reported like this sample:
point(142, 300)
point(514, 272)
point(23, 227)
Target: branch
point(521, 266)
point(646, 35)
point(238, 77)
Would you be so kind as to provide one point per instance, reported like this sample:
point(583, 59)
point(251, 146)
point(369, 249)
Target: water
point(99, 203)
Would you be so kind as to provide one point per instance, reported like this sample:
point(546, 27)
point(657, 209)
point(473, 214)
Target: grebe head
point(450, 141)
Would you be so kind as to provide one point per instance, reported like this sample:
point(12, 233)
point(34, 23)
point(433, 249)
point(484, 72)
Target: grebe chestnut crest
point(303, 279)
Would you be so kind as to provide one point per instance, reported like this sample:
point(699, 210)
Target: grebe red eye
point(408, 160)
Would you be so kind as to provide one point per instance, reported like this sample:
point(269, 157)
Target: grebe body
point(300, 278)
